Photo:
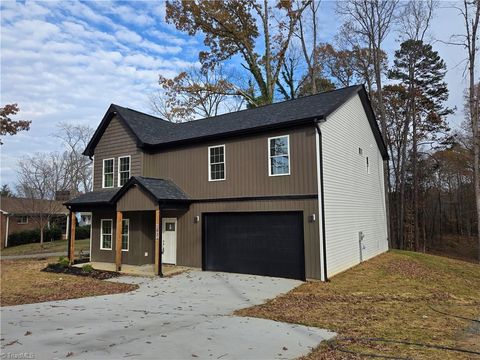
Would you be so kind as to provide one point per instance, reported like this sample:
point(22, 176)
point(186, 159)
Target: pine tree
point(422, 71)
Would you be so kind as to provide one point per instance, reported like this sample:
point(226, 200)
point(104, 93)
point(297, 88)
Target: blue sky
point(67, 61)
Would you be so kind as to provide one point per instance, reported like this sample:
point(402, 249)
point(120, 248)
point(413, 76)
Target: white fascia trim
point(319, 197)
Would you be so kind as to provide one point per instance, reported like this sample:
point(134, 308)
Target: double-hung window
point(279, 155)
point(216, 163)
point(125, 234)
point(107, 181)
point(106, 234)
point(23, 219)
point(123, 170)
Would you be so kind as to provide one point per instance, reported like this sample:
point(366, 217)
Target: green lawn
point(399, 296)
point(47, 247)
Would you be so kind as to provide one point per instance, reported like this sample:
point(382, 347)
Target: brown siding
point(189, 233)
point(246, 167)
point(142, 232)
point(116, 141)
point(135, 199)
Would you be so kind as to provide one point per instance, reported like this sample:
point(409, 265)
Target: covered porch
point(133, 228)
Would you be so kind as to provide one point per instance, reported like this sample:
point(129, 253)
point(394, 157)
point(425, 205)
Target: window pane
point(124, 176)
point(279, 165)
point(279, 146)
point(217, 171)
point(108, 166)
point(125, 164)
point(108, 180)
point(107, 241)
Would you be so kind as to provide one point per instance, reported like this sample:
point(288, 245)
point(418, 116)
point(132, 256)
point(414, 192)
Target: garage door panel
point(255, 243)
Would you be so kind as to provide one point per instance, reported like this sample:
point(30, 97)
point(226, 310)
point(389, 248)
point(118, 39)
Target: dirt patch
point(73, 270)
point(23, 282)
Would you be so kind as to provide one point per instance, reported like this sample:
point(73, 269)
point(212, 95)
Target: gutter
point(323, 245)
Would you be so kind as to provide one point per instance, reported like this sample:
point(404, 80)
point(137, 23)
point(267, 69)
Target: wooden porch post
point(158, 246)
point(71, 249)
point(118, 242)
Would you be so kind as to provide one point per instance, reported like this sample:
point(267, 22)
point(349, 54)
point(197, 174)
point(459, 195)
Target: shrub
point(82, 232)
point(87, 268)
point(33, 236)
point(63, 261)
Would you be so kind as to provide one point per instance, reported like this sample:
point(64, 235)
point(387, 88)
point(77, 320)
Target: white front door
point(169, 240)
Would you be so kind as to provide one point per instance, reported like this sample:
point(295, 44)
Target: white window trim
point(269, 156)
point(129, 168)
point(20, 222)
point(101, 234)
point(224, 163)
point(128, 235)
point(103, 173)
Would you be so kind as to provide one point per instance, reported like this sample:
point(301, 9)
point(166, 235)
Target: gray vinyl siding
point(115, 142)
point(246, 167)
point(354, 199)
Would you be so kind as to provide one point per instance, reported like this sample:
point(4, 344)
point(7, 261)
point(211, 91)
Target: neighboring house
point(20, 214)
point(293, 189)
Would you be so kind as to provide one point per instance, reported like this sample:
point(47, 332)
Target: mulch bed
point(73, 270)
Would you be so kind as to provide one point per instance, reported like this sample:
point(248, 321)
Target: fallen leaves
point(22, 282)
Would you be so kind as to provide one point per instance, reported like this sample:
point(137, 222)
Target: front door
point(169, 240)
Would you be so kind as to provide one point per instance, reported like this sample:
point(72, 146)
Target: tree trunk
point(42, 227)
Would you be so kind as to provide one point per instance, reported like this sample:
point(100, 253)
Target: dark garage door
point(260, 243)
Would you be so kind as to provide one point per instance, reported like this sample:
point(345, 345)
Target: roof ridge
point(141, 112)
point(248, 109)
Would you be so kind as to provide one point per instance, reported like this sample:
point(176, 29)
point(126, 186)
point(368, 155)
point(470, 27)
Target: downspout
point(322, 196)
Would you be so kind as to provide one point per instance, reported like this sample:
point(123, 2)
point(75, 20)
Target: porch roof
point(160, 190)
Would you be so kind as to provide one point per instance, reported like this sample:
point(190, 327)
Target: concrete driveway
point(184, 317)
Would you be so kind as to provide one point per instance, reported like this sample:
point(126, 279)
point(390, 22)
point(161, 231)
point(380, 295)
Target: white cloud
point(67, 61)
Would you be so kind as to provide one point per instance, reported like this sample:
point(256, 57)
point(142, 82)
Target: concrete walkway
point(184, 317)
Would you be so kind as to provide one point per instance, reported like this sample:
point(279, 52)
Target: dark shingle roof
point(152, 132)
point(160, 189)
point(93, 197)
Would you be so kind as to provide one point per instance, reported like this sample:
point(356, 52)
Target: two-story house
point(293, 189)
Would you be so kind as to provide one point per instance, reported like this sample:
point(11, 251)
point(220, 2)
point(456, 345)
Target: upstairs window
point(125, 234)
point(279, 155)
point(123, 170)
point(216, 163)
point(107, 181)
point(106, 234)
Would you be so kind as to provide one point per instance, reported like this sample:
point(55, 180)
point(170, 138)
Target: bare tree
point(308, 30)
point(470, 12)
point(195, 93)
point(415, 19)
point(78, 168)
point(368, 23)
point(40, 176)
